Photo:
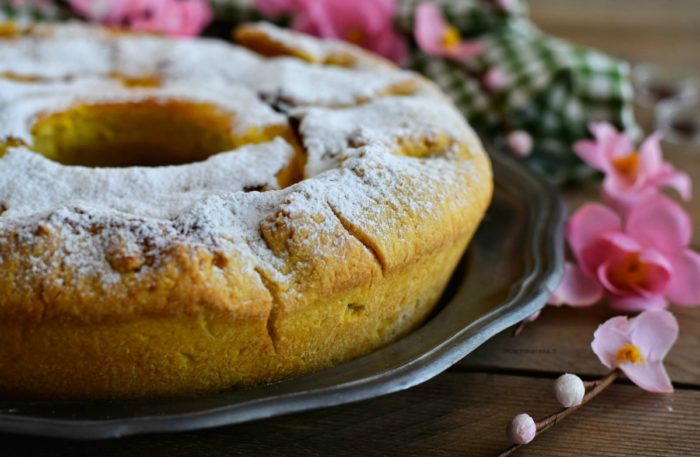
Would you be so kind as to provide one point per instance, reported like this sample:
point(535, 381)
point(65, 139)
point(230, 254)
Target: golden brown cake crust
point(330, 229)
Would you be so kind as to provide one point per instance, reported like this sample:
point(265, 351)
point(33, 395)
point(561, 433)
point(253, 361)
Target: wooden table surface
point(465, 410)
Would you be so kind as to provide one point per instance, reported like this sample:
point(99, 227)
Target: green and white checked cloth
point(554, 89)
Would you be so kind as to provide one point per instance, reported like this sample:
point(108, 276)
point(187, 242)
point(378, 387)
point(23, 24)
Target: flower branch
point(635, 347)
point(541, 426)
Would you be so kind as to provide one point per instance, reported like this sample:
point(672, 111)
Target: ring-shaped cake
point(182, 216)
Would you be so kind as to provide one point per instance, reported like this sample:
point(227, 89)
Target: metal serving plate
point(514, 261)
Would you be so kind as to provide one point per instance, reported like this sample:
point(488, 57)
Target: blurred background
point(663, 33)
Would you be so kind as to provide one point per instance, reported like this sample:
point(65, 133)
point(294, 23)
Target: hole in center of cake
point(145, 133)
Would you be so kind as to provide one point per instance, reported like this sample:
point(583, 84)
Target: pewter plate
point(509, 270)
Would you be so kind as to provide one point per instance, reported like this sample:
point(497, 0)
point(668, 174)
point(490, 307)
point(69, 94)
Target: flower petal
point(669, 176)
point(650, 376)
point(391, 45)
point(624, 200)
point(377, 15)
point(654, 333)
point(275, 7)
point(318, 20)
point(576, 288)
point(608, 338)
point(638, 302)
point(650, 156)
point(684, 288)
point(429, 28)
point(658, 222)
point(612, 143)
point(618, 184)
point(598, 153)
point(658, 272)
point(588, 223)
point(591, 153)
point(649, 279)
point(467, 50)
point(610, 247)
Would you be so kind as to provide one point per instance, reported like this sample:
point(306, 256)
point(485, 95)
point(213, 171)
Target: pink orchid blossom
point(436, 37)
point(277, 7)
point(172, 17)
point(641, 265)
point(638, 346)
point(630, 176)
point(366, 23)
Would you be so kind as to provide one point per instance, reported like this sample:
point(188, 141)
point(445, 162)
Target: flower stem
point(520, 327)
point(548, 422)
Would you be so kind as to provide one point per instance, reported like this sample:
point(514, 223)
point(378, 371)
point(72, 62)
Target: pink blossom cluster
point(634, 253)
point(366, 23)
point(172, 17)
point(369, 23)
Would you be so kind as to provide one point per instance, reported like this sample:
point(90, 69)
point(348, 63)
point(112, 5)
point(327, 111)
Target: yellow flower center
point(355, 35)
point(8, 30)
point(627, 165)
point(451, 37)
point(629, 353)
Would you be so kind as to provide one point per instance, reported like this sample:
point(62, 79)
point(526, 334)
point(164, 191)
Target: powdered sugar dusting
point(330, 133)
point(350, 127)
point(323, 51)
point(154, 192)
point(18, 117)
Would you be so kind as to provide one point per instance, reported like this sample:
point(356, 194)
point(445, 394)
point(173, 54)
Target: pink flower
point(173, 17)
point(639, 266)
point(630, 176)
point(436, 37)
point(366, 23)
point(638, 346)
point(277, 7)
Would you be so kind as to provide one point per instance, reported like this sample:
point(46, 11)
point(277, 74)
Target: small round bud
point(495, 79)
point(520, 143)
point(522, 429)
point(569, 390)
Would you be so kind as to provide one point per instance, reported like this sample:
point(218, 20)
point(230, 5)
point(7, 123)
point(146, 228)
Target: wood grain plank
point(455, 414)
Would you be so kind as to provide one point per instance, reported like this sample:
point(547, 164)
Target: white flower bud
point(569, 390)
point(495, 79)
point(520, 143)
point(522, 429)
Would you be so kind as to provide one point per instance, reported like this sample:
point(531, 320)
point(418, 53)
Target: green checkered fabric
point(554, 89)
point(33, 10)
